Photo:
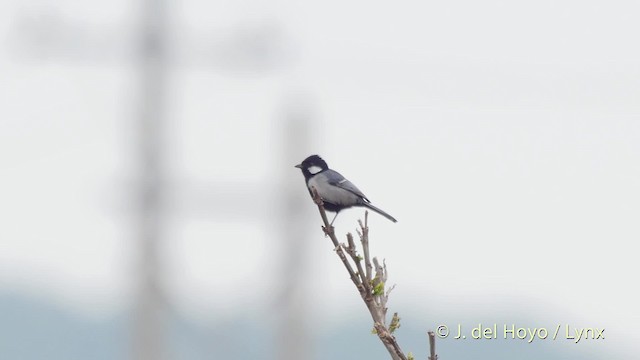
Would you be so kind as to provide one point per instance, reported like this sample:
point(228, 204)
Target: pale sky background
point(504, 136)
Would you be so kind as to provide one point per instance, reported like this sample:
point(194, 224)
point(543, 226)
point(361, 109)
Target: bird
point(336, 191)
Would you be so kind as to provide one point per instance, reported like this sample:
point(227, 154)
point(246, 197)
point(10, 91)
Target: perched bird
point(336, 192)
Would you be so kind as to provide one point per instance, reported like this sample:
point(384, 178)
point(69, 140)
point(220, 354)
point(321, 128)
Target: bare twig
point(351, 250)
point(432, 346)
point(364, 239)
point(329, 231)
point(372, 290)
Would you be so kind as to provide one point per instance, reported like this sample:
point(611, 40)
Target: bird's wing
point(336, 179)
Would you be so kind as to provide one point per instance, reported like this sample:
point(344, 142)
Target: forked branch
point(369, 279)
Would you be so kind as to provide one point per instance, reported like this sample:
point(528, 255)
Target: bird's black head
point(312, 165)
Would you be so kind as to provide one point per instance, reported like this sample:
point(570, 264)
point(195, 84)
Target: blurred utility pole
point(255, 49)
point(293, 338)
point(150, 313)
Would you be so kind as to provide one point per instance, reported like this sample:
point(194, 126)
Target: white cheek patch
point(314, 169)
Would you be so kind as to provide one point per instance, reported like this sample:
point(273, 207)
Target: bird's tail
point(379, 211)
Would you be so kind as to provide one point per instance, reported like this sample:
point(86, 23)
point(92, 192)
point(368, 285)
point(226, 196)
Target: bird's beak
point(299, 166)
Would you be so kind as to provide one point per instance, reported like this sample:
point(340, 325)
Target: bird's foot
point(327, 231)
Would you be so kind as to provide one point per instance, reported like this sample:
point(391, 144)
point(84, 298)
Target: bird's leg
point(334, 219)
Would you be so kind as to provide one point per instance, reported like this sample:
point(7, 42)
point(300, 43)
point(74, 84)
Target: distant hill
point(34, 329)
